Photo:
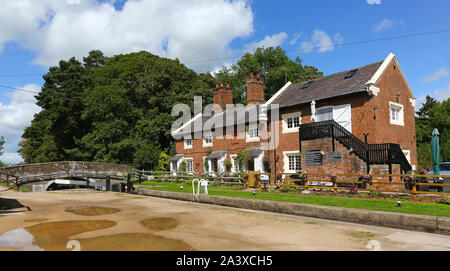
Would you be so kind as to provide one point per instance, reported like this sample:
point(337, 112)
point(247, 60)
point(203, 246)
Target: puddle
point(19, 238)
point(133, 242)
point(92, 210)
point(36, 219)
point(54, 236)
point(160, 223)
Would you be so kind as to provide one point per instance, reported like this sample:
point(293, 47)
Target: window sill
point(252, 140)
point(288, 131)
point(397, 123)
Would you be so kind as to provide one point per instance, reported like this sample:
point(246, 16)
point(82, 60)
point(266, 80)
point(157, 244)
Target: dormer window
point(307, 84)
point(350, 74)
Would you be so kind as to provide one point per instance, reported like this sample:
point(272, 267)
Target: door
point(342, 114)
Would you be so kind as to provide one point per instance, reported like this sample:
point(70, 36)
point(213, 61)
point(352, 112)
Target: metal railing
point(370, 153)
point(167, 176)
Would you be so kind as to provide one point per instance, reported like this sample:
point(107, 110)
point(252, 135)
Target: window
point(324, 113)
point(188, 142)
point(350, 74)
point(189, 165)
point(396, 113)
point(252, 134)
point(207, 140)
point(292, 161)
point(307, 85)
point(291, 122)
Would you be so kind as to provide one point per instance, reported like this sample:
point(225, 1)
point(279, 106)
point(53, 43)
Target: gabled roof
point(239, 115)
point(328, 87)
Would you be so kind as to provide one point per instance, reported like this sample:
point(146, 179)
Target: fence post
point(129, 189)
point(108, 183)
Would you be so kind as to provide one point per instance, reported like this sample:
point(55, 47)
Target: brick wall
point(391, 84)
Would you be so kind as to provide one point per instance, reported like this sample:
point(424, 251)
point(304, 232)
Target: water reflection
point(20, 239)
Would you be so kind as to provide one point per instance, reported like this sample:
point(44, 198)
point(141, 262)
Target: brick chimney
point(222, 96)
point(255, 89)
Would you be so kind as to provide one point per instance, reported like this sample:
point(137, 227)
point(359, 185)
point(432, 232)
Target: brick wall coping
point(433, 224)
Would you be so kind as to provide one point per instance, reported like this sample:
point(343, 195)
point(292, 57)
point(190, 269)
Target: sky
point(207, 34)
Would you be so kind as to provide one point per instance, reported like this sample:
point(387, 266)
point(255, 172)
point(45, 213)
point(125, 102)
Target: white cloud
point(14, 117)
point(295, 38)
point(371, 2)
point(436, 76)
point(384, 24)
point(321, 41)
point(190, 30)
point(439, 95)
point(268, 41)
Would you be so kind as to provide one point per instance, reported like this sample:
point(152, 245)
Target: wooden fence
point(395, 183)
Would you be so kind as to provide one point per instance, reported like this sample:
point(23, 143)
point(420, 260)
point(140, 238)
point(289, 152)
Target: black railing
point(370, 153)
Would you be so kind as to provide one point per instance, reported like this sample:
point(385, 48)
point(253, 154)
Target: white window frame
point(234, 164)
point(206, 144)
point(286, 155)
point(252, 139)
point(186, 146)
point(401, 114)
point(192, 165)
point(285, 129)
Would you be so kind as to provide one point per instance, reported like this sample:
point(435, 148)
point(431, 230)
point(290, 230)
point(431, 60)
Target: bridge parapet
point(25, 170)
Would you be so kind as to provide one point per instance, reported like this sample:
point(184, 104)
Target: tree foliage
point(118, 109)
point(273, 64)
point(115, 109)
point(433, 114)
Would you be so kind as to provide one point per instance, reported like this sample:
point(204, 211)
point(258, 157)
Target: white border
point(284, 117)
point(400, 122)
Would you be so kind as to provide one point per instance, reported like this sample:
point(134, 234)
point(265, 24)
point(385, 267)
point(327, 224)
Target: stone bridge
point(79, 170)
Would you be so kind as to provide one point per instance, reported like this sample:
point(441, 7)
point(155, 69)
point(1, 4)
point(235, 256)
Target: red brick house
point(356, 121)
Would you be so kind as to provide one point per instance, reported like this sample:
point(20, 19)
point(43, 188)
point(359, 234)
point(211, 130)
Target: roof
point(176, 157)
point(328, 87)
point(224, 119)
point(216, 154)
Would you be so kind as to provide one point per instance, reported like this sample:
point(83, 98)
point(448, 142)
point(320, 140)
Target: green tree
point(432, 114)
point(273, 64)
point(2, 142)
point(163, 162)
point(54, 131)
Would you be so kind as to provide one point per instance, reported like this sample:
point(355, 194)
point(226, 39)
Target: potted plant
point(410, 182)
point(367, 180)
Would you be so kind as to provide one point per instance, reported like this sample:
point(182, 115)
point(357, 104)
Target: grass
point(422, 208)
point(361, 235)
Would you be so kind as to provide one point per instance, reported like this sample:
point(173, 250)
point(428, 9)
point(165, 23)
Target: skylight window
point(307, 84)
point(350, 74)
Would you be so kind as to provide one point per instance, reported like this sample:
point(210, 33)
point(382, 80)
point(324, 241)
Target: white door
point(342, 114)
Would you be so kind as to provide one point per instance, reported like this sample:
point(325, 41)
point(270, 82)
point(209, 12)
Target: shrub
point(445, 200)
point(271, 189)
point(285, 189)
point(375, 194)
point(227, 165)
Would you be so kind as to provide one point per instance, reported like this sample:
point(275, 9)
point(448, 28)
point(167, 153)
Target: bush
point(271, 189)
point(445, 200)
point(375, 194)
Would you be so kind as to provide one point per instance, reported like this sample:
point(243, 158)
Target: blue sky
point(36, 34)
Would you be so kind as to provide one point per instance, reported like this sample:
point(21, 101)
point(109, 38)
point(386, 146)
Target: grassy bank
point(422, 208)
